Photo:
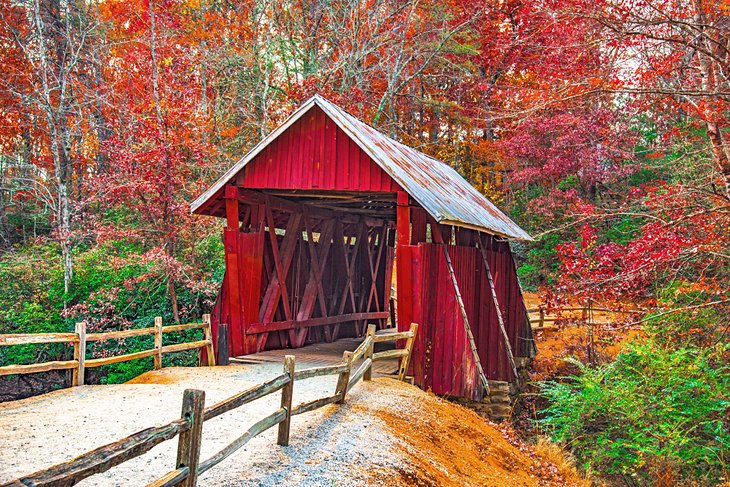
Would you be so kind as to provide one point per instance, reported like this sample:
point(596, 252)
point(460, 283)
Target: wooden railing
point(80, 338)
point(189, 427)
point(586, 311)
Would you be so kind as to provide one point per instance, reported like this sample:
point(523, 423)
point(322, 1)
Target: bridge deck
point(320, 354)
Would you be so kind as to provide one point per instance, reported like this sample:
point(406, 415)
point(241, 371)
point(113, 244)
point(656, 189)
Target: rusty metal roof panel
point(436, 186)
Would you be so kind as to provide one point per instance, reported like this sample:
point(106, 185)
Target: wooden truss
point(323, 275)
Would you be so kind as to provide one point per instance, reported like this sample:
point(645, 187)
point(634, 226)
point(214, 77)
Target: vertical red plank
point(318, 176)
point(331, 153)
point(465, 280)
point(418, 351)
point(307, 150)
point(266, 168)
point(301, 144)
point(290, 157)
point(353, 165)
point(419, 366)
point(274, 156)
point(446, 313)
point(483, 343)
point(502, 288)
point(418, 226)
point(312, 167)
point(495, 349)
point(365, 169)
point(375, 173)
point(427, 318)
point(403, 263)
point(280, 176)
point(234, 301)
point(251, 260)
point(342, 154)
point(455, 319)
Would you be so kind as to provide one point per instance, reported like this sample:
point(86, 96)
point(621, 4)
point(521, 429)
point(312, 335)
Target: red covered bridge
point(318, 213)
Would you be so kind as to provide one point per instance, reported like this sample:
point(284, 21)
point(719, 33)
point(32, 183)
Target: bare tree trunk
point(167, 222)
point(58, 131)
point(708, 72)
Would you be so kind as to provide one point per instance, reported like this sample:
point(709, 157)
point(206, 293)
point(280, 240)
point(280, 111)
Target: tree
point(53, 38)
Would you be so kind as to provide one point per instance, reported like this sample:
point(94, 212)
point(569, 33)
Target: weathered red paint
point(282, 289)
point(315, 154)
point(442, 359)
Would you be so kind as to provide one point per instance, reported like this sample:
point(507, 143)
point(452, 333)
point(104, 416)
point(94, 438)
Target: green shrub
point(115, 287)
point(652, 409)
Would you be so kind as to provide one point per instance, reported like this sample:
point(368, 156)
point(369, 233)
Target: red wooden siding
point(314, 153)
point(442, 359)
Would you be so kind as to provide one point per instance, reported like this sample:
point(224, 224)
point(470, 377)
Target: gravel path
point(331, 446)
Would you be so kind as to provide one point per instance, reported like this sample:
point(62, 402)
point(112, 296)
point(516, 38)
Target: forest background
point(599, 126)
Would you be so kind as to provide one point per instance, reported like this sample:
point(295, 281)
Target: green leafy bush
point(652, 412)
point(538, 264)
point(117, 285)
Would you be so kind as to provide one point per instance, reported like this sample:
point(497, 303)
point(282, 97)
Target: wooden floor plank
point(323, 354)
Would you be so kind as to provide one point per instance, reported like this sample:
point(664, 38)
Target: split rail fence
point(586, 310)
point(80, 339)
point(189, 427)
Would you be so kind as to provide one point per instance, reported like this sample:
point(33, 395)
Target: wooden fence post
point(79, 373)
point(223, 344)
point(369, 352)
point(208, 332)
point(409, 346)
point(344, 377)
point(286, 397)
point(188, 446)
point(158, 342)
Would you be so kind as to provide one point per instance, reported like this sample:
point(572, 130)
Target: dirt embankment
point(442, 443)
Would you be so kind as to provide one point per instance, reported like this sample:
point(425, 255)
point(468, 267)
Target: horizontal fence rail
point(585, 310)
point(79, 339)
point(188, 428)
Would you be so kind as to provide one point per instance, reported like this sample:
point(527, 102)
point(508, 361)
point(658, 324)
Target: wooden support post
point(404, 276)
point(409, 346)
point(392, 306)
point(369, 352)
point(542, 317)
point(158, 342)
point(403, 219)
point(208, 333)
point(79, 373)
point(344, 377)
point(286, 397)
point(223, 358)
point(500, 319)
point(188, 446)
point(231, 198)
point(467, 328)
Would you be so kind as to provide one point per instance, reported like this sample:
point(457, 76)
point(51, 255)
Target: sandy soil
point(388, 433)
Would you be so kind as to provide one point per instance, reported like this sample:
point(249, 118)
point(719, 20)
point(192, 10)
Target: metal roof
point(436, 186)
